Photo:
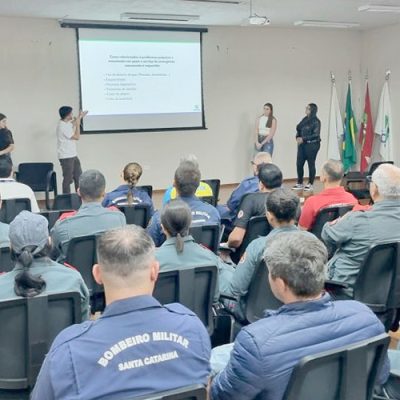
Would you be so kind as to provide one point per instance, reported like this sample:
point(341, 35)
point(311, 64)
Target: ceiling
point(283, 13)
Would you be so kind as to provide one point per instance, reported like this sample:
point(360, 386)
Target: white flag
point(383, 126)
point(336, 128)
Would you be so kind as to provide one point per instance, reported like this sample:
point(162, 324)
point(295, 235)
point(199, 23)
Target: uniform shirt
point(204, 190)
point(355, 233)
point(253, 205)
point(10, 189)
point(202, 214)
point(193, 255)
point(4, 239)
point(58, 278)
point(327, 197)
point(248, 185)
point(118, 197)
point(91, 219)
point(136, 347)
point(6, 138)
point(66, 147)
point(265, 352)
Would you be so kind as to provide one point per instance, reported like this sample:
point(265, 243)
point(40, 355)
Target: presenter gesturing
point(266, 126)
point(68, 132)
point(308, 143)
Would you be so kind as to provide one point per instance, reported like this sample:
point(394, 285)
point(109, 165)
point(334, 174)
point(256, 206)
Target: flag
point(335, 132)
point(366, 134)
point(349, 139)
point(383, 125)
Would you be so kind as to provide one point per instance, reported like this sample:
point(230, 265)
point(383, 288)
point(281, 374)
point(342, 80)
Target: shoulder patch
point(67, 215)
point(243, 258)
point(240, 214)
point(178, 309)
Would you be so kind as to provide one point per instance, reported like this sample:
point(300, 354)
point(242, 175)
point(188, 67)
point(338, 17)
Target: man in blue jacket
point(265, 352)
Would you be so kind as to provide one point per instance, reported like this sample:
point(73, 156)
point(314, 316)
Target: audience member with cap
point(35, 273)
point(138, 346)
point(180, 251)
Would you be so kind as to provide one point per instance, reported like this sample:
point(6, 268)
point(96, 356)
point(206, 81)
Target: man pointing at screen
point(68, 132)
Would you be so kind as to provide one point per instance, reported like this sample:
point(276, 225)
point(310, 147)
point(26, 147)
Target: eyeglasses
point(369, 178)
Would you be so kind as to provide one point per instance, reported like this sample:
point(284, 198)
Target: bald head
point(332, 171)
point(260, 158)
point(386, 183)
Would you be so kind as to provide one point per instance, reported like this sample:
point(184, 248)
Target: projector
point(257, 20)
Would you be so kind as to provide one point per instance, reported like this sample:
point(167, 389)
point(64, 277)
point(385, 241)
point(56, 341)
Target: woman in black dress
point(6, 138)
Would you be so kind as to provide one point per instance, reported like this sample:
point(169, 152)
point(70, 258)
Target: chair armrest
point(225, 247)
point(224, 296)
point(331, 284)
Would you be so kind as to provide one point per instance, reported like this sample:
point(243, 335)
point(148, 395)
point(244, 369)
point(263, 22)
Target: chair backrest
point(346, 373)
point(259, 296)
point(146, 188)
point(35, 175)
point(257, 226)
point(328, 214)
point(52, 216)
point(6, 263)
point(375, 165)
point(138, 214)
point(192, 287)
point(378, 282)
point(70, 201)
point(32, 324)
point(207, 235)
point(215, 185)
point(10, 208)
point(194, 392)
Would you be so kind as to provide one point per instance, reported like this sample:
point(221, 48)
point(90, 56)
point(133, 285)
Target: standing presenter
point(68, 133)
point(266, 126)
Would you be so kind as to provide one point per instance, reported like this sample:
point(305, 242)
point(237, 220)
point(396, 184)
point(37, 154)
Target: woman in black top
point(308, 143)
point(6, 139)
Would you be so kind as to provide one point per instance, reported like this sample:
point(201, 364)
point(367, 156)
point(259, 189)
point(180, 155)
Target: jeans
point(307, 152)
point(71, 169)
point(267, 147)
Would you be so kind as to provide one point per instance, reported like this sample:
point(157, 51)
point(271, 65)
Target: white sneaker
point(308, 188)
point(298, 186)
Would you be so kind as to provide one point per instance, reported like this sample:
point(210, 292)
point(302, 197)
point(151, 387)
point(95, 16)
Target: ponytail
point(132, 173)
point(180, 244)
point(129, 195)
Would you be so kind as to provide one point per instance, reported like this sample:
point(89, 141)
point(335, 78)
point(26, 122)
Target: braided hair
point(132, 173)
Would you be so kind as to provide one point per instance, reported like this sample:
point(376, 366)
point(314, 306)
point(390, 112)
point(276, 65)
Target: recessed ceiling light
point(158, 17)
point(379, 8)
point(326, 24)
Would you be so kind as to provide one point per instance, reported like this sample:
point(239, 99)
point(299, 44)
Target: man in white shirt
point(10, 189)
point(68, 132)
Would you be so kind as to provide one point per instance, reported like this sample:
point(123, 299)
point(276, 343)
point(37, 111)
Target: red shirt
point(327, 197)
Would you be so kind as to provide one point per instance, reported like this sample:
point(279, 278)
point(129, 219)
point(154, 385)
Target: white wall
point(380, 53)
point(243, 68)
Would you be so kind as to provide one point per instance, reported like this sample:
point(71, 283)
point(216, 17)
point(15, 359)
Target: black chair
point(192, 287)
point(207, 235)
point(39, 176)
point(257, 226)
point(81, 254)
point(52, 216)
point(356, 182)
point(328, 214)
point(10, 208)
point(138, 214)
point(215, 185)
point(32, 324)
point(6, 263)
point(346, 373)
point(146, 188)
point(378, 283)
point(194, 392)
point(70, 201)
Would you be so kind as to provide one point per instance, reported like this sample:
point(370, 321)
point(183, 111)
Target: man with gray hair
point(265, 352)
point(333, 194)
point(137, 347)
point(91, 218)
point(357, 231)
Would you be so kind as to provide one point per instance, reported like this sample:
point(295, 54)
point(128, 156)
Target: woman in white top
point(265, 130)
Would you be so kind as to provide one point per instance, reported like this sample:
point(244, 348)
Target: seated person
point(248, 185)
point(180, 251)
point(282, 211)
point(128, 194)
point(11, 189)
point(91, 218)
point(138, 346)
point(4, 230)
point(333, 194)
point(34, 272)
point(357, 231)
point(265, 352)
point(253, 205)
point(186, 181)
point(203, 190)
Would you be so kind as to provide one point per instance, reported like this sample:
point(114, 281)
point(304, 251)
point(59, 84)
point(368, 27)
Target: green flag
point(349, 138)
